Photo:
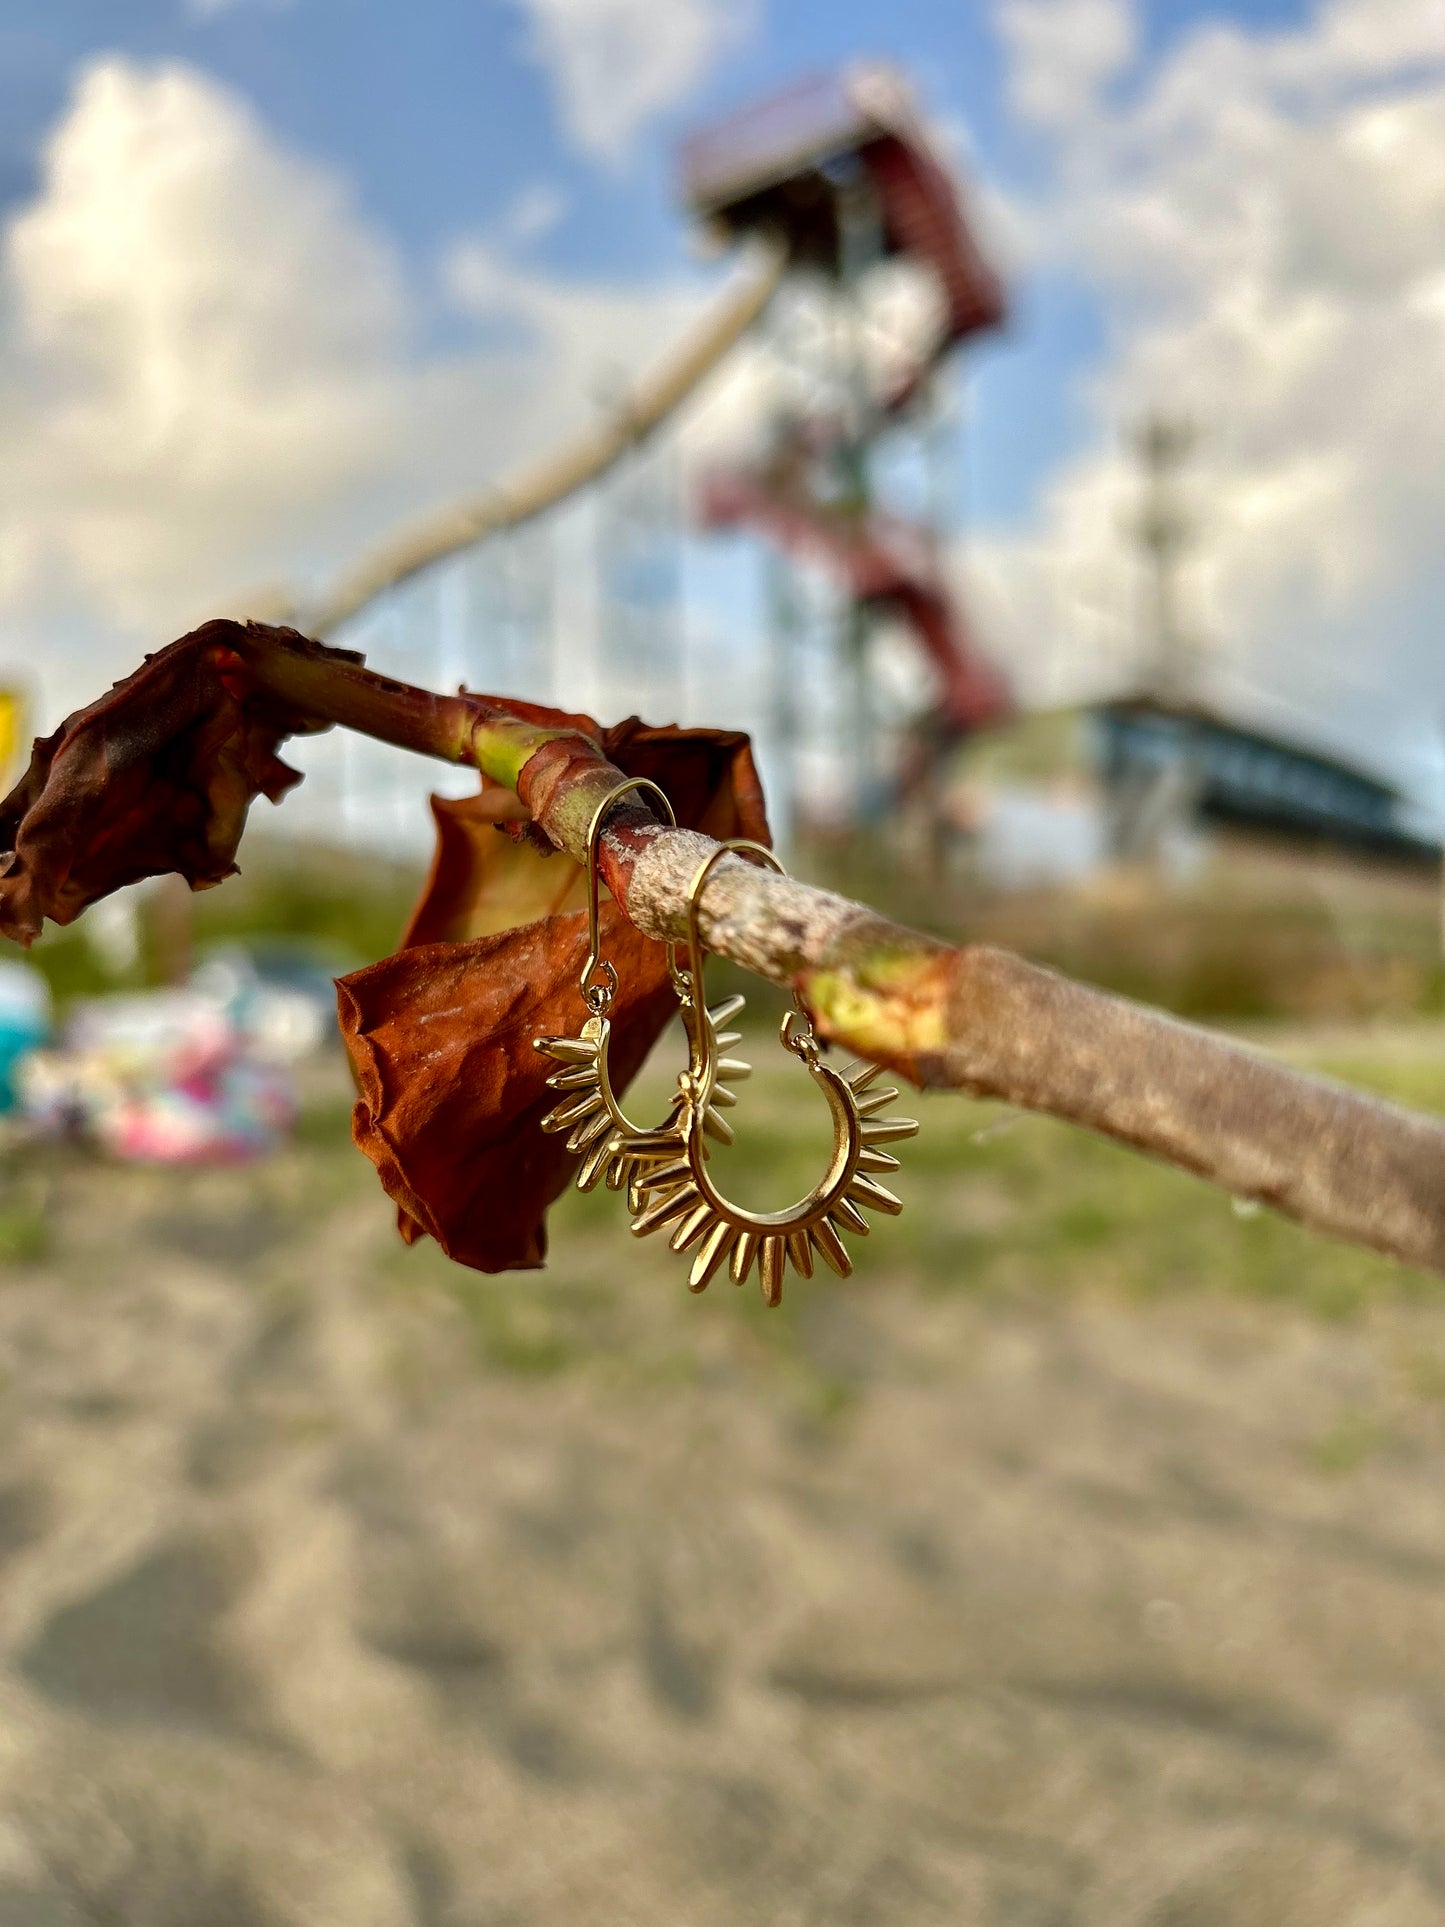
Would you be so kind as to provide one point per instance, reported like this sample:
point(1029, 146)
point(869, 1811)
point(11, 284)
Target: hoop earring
point(596, 1124)
point(681, 1191)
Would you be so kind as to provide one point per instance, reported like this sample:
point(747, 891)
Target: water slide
point(785, 178)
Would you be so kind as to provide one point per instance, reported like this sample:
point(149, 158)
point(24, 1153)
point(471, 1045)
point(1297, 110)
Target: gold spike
point(742, 1262)
point(619, 1172)
point(671, 1205)
point(588, 1131)
point(636, 1195)
point(889, 1130)
point(846, 1215)
point(830, 1247)
point(876, 1195)
point(876, 1101)
point(642, 1180)
point(871, 1160)
point(657, 1147)
point(724, 1012)
point(593, 1163)
point(678, 1171)
point(861, 1075)
point(577, 1078)
point(567, 1050)
point(800, 1250)
point(772, 1263)
point(716, 1126)
point(733, 1069)
point(567, 1114)
point(710, 1254)
point(688, 1227)
point(723, 1096)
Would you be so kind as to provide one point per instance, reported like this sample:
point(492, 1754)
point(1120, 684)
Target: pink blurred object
point(163, 1078)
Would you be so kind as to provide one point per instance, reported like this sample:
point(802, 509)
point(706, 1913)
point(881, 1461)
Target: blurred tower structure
point(564, 584)
point(840, 174)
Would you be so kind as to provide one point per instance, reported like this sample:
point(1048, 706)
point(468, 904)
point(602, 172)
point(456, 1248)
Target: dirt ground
point(336, 1591)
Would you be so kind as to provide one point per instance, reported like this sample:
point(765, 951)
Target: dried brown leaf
point(156, 776)
point(452, 1091)
point(441, 1034)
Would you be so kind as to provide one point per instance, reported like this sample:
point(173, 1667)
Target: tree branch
point(970, 1018)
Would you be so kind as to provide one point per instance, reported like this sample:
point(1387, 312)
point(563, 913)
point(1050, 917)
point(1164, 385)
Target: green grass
point(24, 1233)
point(997, 1203)
point(1348, 1444)
point(1255, 937)
point(349, 909)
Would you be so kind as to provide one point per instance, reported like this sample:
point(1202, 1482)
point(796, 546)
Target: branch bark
point(969, 1018)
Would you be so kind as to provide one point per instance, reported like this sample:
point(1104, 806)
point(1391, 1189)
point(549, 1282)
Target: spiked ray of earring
point(612, 1147)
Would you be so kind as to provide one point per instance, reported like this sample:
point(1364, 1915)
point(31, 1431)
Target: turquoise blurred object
point(24, 1022)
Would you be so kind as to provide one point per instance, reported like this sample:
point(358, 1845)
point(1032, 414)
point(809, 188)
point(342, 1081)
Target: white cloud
point(1262, 226)
point(534, 212)
point(616, 64)
point(1368, 38)
point(204, 11)
point(201, 340)
point(1062, 53)
point(210, 379)
point(585, 332)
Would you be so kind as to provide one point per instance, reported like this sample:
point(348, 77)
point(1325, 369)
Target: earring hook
point(796, 1029)
point(739, 846)
point(597, 996)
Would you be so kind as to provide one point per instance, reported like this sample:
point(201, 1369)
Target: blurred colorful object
point(161, 1077)
point(24, 1021)
point(12, 724)
point(280, 994)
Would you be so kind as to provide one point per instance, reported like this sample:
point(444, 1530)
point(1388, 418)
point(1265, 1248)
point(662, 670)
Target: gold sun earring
point(596, 1124)
point(676, 1187)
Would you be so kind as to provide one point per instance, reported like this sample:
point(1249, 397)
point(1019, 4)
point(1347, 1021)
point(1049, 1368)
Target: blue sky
point(1232, 208)
point(439, 119)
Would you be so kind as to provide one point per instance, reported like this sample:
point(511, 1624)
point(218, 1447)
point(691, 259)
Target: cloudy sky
point(275, 272)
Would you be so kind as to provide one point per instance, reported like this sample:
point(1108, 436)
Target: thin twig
point(970, 1018)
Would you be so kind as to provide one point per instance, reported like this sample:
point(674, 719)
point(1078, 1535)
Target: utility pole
point(1164, 532)
point(1151, 801)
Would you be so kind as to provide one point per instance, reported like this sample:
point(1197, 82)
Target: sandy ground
point(318, 1607)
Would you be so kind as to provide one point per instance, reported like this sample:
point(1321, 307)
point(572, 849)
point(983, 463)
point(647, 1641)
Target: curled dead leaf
point(155, 776)
point(452, 1091)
